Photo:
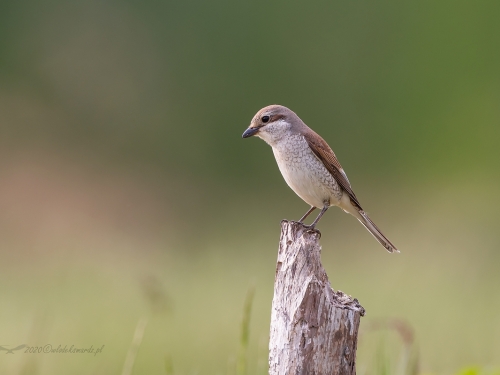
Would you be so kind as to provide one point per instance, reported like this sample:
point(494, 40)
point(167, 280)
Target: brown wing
point(329, 160)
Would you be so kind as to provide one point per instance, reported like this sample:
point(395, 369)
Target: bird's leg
point(326, 207)
point(301, 221)
point(313, 225)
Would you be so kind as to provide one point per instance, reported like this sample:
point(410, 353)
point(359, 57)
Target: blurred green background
point(125, 184)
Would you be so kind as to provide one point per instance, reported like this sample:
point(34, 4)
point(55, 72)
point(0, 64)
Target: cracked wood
point(313, 328)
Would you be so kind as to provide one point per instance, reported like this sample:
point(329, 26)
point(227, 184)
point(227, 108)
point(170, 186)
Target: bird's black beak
point(249, 132)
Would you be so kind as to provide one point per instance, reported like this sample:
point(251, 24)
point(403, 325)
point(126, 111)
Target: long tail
point(373, 229)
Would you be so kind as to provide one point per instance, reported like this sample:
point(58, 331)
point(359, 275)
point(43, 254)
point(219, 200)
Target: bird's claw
point(311, 229)
point(314, 231)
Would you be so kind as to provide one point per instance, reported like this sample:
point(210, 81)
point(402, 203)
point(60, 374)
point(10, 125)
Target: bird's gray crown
point(273, 122)
point(273, 113)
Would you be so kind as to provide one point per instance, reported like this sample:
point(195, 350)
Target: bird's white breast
point(305, 173)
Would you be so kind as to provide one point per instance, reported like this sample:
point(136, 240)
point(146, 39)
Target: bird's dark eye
point(265, 119)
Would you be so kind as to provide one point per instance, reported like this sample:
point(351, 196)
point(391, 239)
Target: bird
point(310, 167)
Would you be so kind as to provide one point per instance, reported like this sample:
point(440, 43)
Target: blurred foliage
point(125, 186)
point(412, 87)
point(242, 365)
point(478, 371)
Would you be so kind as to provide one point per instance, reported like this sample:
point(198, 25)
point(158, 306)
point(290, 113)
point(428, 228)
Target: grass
point(386, 361)
point(391, 341)
point(242, 366)
point(88, 286)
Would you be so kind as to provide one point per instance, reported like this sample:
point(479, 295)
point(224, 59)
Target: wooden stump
point(314, 329)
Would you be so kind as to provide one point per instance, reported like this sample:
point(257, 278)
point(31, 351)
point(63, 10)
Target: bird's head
point(271, 123)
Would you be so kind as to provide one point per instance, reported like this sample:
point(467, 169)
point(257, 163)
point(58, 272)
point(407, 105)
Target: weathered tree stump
point(314, 329)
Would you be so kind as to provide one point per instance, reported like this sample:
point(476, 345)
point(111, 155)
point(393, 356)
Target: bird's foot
point(312, 229)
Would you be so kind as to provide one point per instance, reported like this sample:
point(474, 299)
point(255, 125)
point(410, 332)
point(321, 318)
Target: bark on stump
point(314, 329)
